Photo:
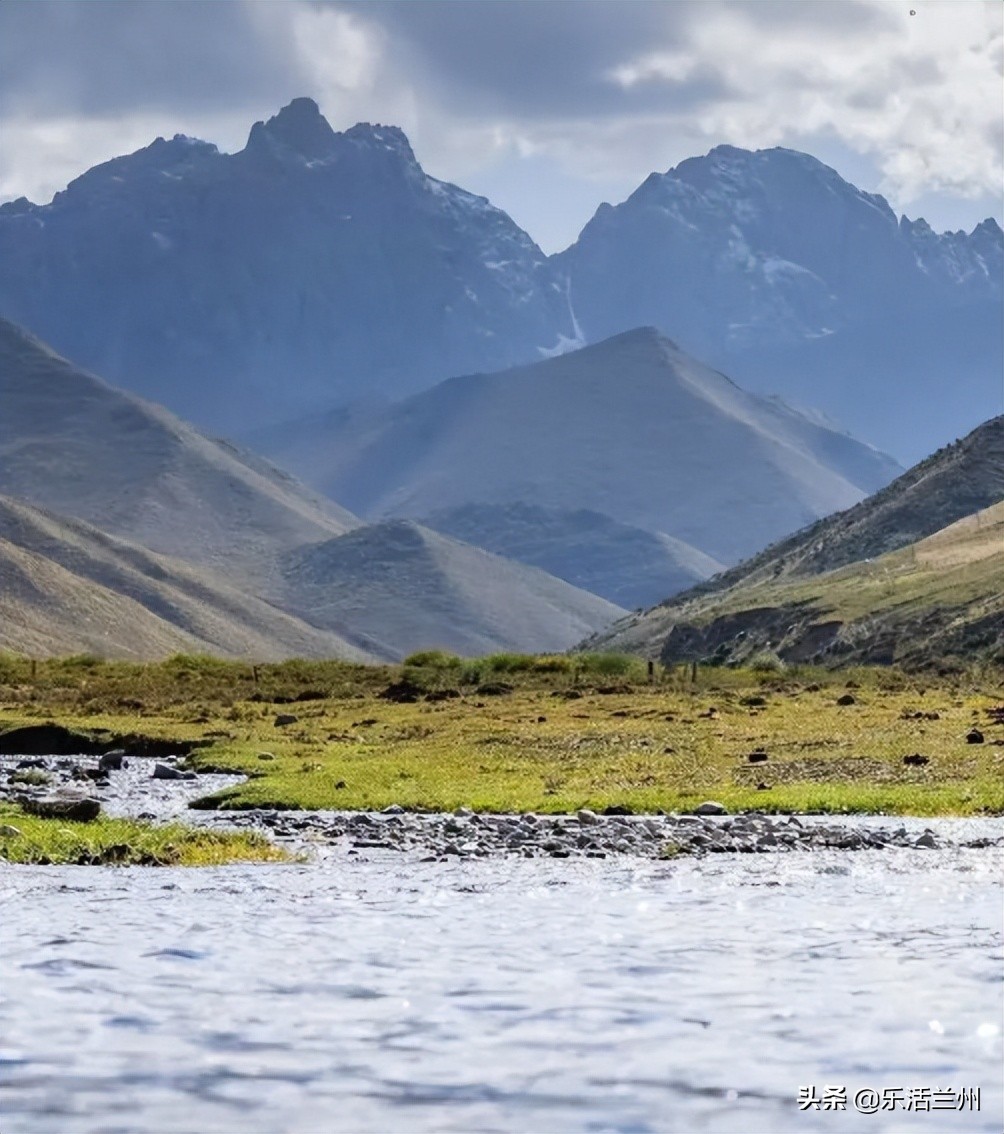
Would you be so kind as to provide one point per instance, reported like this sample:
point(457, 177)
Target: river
point(384, 994)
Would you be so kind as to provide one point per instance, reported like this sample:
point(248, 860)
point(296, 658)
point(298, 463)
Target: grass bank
point(515, 733)
point(123, 842)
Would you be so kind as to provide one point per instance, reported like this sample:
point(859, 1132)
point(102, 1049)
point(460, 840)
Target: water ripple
point(597, 998)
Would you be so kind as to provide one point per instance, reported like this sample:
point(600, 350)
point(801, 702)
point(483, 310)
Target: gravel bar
point(160, 790)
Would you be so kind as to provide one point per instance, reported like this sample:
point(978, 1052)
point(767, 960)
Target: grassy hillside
point(952, 483)
point(873, 583)
point(940, 599)
point(401, 587)
point(71, 443)
point(66, 587)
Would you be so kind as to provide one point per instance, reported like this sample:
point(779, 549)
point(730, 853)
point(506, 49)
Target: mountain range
point(125, 531)
point(632, 428)
point(66, 587)
point(313, 269)
point(912, 574)
point(771, 266)
point(71, 443)
point(310, 267)
point(497, 449)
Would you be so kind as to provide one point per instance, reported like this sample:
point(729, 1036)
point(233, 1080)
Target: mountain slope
point(72, 443)
point(309, 268)
point(66, 587)
point(402, 588)
point(933, 600)
point(925, 556)
point(631, 427)
point(771, 266)
point(625, 565)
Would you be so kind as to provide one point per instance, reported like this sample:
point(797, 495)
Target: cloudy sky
point(547, 107)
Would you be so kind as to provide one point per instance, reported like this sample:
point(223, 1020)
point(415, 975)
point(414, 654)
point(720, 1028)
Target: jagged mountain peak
point(310, 269)
point(770, 266)
point(757, 184)
point(300, 129)
point(391, 138)
point(990, 229)
point(163, 158)
point(299, 126)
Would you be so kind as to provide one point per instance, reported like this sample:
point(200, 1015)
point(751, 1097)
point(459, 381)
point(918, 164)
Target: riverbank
point(161, 792)
point(510, 734)
point(107, 841)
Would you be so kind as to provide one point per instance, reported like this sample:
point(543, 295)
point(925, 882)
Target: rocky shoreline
point(587, 835)
point(157, 790)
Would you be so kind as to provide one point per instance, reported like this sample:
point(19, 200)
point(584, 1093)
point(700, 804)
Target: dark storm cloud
point(113, 56)
point(536, 60)
point(527, 59)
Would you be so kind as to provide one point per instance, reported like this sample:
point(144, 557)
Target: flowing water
point(388, 995)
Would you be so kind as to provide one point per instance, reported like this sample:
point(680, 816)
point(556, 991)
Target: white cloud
point(596, 97)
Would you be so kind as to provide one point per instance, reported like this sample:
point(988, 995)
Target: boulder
point(113, 761)
point(710, 807)
point(74, 808)
point(166, 772)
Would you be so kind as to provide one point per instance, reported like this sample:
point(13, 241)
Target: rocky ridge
point(772, 267)
point(311, 267)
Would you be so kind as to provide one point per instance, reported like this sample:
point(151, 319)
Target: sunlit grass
point(571, 732)
point(124, 842)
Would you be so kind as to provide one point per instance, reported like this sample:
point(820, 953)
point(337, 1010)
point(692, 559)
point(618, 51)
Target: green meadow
point(548, 734)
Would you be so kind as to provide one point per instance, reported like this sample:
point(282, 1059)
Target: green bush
point(509, 663)
point(766, 661)
point(433, 659)
point(13, 668)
